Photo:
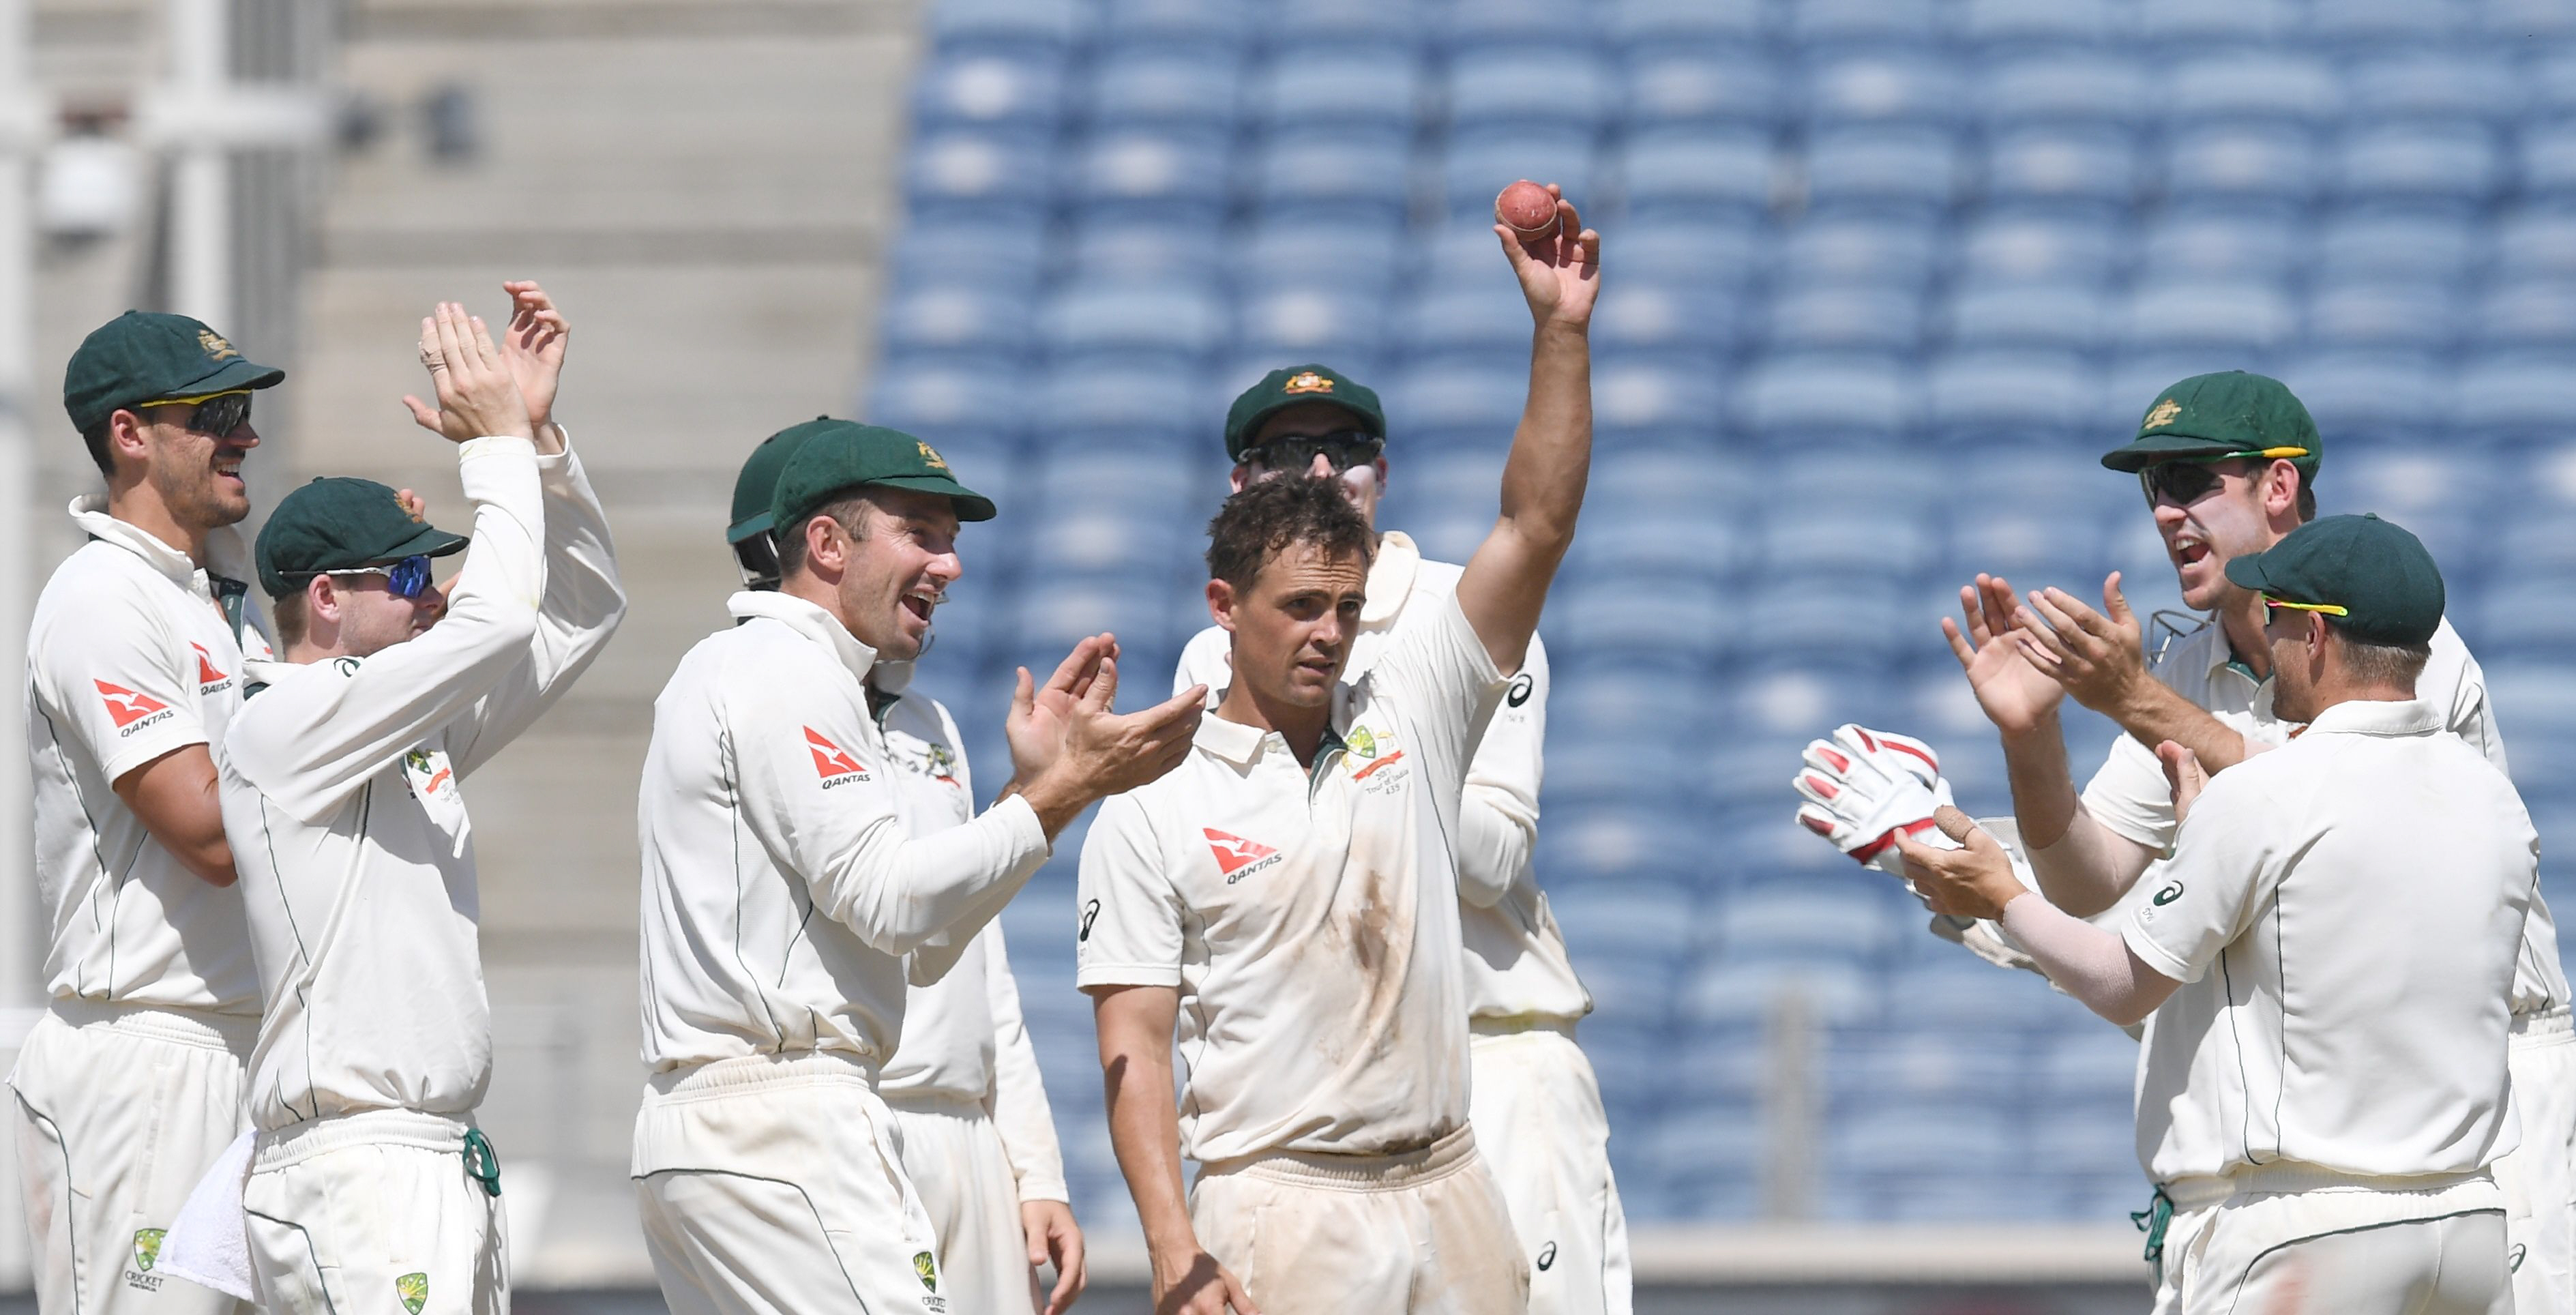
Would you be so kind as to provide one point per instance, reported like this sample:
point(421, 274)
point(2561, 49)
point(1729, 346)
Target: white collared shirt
point(2130, 796)
point(2342, 913)
point(1308, 917)
point(783, 886)
point(963, 1036)
point(129, 657)
point(1517, 963)
point(343, 790)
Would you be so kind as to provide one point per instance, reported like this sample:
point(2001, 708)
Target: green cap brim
point(2144, 452)
point(749, 526)
point(971, 506)
point(231, 376)
point(2246, 572)
point(430, 542)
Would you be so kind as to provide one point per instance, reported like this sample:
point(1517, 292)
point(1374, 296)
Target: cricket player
point(131, 1083)
point(788, 901)
point(1288, 900)
point(2228, 463)
point(2328, 956)
point(344, 777)
point(1545, 1136)
point(970, 1112)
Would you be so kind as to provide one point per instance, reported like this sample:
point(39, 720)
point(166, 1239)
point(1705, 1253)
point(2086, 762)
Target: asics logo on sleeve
point(1236, 857)
point(831, 762)
point(2171, 892)
point(1090, 915)
point(129, 710)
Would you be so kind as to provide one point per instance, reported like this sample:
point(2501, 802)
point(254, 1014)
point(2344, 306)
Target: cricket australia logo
point(926, 1268)
point(427, 773)
point(147, 1253)
point(413, 1289)
point(1365, 753)
point(1236, 857)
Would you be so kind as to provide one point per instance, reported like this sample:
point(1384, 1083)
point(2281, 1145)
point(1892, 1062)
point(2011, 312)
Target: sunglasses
point(2187, 480)
point(218, 415)
point(1293, 452)
point(403, 579)
point(2272, 605)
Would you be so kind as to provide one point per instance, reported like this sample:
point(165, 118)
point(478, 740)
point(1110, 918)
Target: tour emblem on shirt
point(2171, 892)
point(413, 1288)
point(427, 773)
point(831, 762)
point(131, 711)
point(1236, 857)
point(1366, 752)
point(209, 680)
point(147, 1253)
point(936, 761)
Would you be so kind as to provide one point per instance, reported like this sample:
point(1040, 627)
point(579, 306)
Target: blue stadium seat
point(1859, 540)
point(1308, 28)
point(1694, 317)
point(1972, 397)
point(1483, 162)
point(1005, 257)
point(1206, 24)
point(1805, 394)
point(1708, 1162)
point(1798, 924)
point(2405, 81)
point(1699, 253)
point(1357, 256)
point(2192, 26)
point(1341, 177)
point(2406, 315)
point(1965, 992)
point(1857, 249)
point(1141, 398)
point(1874, 23)
point(1891, 170)
point(984, 173)
point(2454, 163)
point(2369, 393)
point(2516, 394)
point(1992, 24)
point(2542, 541)
point(2090, 1065)
point(1658, 546)
point(2368, 24)
point(1723, 1064)
point(1177, 317)
point(1460, 252)
point(1307, 322)
point(2523, 614)
point(1145, 252)
point(2059, 89)
point(2534, 243)
point(2550, 79)
point(2526, 314)
point(2521, 20)
point(2381, 244)
point(1687, 87)
point(1173, 176)
point(2227, 314)
point(1733, 995)
point(1514, 86)
point(1164, 87)
point(1883, 87)
point(2226, 241)
point(1844, 317)
point(2095, 166)
point(1472, 26)
point(1625, 918)
point(2021, 546)
point(2022, 246)
point(2255, 86)
point(1486, 320)
point(1685, 173)
point(1132, 538)
point(932, 399)
point(1677, 481)
point(2242, 162)
point(1020, 91)
point(1834, 622)
point(1691, 619)
point(1053, 613)
point(1654, 393)
point(1650, 24)
point(1434, 402)
point(1377, 90)
point(1037, 24)
point(957, 318)
point(1999, 313)
point(2548, 160)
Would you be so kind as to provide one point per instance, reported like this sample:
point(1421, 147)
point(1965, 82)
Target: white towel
point(209, 1245)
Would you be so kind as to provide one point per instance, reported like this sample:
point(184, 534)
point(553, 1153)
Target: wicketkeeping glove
point(1864, 788)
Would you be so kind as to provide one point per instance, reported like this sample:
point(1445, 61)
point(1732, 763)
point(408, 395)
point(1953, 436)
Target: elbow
point(2128, 1012)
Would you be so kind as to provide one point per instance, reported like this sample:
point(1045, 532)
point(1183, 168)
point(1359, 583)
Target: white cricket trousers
point(2287, 1241)
point(1422, 1233)
point(376, 1213)
point(773, 1185)
point(2539, 1184)
point(120, 1110)
point(1536, 1109)
point(954, 1156)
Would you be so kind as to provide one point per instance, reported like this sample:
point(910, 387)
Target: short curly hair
point(1266, 518)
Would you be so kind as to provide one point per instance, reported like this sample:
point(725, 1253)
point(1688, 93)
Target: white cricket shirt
point(963, 1036)
point(2342, 912)
point(1309, 918)
point(2130, 796)
point(343, 795)
point(1517, 964)
point(130, 656)
point(783, 887)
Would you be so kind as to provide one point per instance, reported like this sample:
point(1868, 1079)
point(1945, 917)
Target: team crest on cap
point(216, 348)
point(1307, 381)
point(2163, 415)
point(930, 456)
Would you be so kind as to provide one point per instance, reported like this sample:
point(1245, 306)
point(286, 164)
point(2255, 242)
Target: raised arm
point(2100, 659)
point(1135, 1024)
point(1506, 581)
point(1498, 815)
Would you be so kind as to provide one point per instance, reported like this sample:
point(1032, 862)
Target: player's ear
point(1220, 601)
point(1241, 479)
point(825, 548)
point(321, 601)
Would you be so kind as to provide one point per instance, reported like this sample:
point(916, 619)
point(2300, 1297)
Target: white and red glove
point(1864, 788)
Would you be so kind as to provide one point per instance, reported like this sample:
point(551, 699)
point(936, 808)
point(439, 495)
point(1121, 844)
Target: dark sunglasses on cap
point(1344, 448)
point(218, 415)
point(403, 579)
point(2187, 480)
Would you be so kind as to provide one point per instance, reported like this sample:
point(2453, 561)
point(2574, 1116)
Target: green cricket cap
point(758, 482)
point(340, 523)
point(2228, 414)
point(143, 357)
point(838, 455)
point(1292, 386)
point(2387, 585)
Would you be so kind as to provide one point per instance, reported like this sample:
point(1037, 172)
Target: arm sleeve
point(1206, 660)
point(1020, 1111)
point(2078, 958)
point(120, 683)
point(307, 743)
point(810, 795)
point(1129, 929)
point(2467, 712)
point(1449, 687)
point(581, 608)
point(1498, 820)
point(2221, 872)
point(2130, 796)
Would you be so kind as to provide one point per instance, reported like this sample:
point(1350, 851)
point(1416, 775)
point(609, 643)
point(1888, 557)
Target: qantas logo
point(831, 762)
point(1236, 857)
point(209, 680)
point(130, 711)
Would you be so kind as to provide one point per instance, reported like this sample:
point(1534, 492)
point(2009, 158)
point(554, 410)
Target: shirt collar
point(226, 555)
point(2377, 717)
point(1390, 577)
point(1231, 740)
point(807, 619)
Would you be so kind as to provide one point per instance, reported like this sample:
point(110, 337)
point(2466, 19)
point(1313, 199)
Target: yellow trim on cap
point(191, 401)
point(2330, 609)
